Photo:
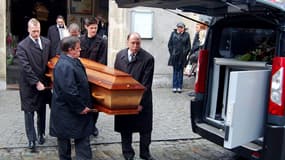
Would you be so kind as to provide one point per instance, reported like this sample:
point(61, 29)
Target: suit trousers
point(30, 124)
point(127, 149)
point(96, 115)
point(82, 149)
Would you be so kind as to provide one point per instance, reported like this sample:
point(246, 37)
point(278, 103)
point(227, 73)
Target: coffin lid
point(105, 76)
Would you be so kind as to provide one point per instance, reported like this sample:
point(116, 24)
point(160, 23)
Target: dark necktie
point(37, 43)
point(133, 57)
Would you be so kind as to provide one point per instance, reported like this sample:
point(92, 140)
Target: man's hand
point(40, 86)
point(87, 110)
point(140, 108)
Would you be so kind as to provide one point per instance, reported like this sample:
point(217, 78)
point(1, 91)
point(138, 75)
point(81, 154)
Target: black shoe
point(147, 157)
point(41, 139)
point(32, 146)
point(96, 132)
point(129, 157)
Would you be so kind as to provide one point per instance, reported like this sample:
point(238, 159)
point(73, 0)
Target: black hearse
point(240, 92)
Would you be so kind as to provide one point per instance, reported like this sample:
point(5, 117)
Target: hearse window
point(247, 44)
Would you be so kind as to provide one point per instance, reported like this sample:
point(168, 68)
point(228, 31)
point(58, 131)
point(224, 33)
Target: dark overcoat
point(94, 48)
point(141, 68)
point(53, 36)
point(193, 58)
point(70, 96)
point(33, 66)
point(178, 46)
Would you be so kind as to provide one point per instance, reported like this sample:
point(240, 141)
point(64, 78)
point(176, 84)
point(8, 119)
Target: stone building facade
point(121, 22)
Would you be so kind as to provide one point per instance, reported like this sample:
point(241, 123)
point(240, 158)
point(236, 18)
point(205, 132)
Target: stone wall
point(3, 45)
point(164, 23)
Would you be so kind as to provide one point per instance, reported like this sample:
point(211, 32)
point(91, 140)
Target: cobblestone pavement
point(172, 136)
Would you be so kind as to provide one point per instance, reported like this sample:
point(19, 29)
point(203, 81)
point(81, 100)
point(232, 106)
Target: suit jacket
point(71, 95)
point(33, 66)
point(53, 36)
point(94, 48)
point(141, 68)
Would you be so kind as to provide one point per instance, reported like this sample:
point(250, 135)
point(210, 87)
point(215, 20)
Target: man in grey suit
point(33, 53)
point(140, 64)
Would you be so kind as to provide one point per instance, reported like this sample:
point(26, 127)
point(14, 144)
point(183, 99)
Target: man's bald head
point(134, 42)
point(134, 34)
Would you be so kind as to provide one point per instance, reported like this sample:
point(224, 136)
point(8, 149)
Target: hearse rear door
point(246, 106)
point(206, 7)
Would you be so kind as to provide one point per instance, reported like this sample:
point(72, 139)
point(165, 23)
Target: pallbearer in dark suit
point(71, 103)
point(93, 47)
point(140, 64)
point(33, 54)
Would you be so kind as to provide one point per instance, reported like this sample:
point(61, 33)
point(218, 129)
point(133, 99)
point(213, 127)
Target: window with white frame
point(142, 22)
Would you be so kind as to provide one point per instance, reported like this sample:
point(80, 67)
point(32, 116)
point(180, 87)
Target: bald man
point(140, 64)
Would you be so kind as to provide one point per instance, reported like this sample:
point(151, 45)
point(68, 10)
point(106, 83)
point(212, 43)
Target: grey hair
point(73, 27)
point(33, 21)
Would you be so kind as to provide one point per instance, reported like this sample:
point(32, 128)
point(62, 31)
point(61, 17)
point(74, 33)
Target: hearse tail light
point(276, 103)
point(276, 86)
point(202, 65)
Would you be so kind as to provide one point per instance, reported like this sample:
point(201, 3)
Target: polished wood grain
point(114, 91)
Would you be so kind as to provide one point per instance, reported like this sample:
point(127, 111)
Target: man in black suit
point(140, 64)
point(33, 53)
point(56, 33)
point(93, 46)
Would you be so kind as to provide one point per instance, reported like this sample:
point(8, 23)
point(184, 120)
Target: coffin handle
point(97, 97)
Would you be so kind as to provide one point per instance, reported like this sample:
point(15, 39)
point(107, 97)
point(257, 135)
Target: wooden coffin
point(114, 91)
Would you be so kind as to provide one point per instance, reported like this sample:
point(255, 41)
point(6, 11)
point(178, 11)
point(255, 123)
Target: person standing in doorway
point(178, 46)
point(93, 47)
point(56, 33)
point(140, 64)
point(33, 54)
point(102, 27)
point(71, 103)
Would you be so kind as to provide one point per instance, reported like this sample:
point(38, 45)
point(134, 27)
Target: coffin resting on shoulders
point(114, 91)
